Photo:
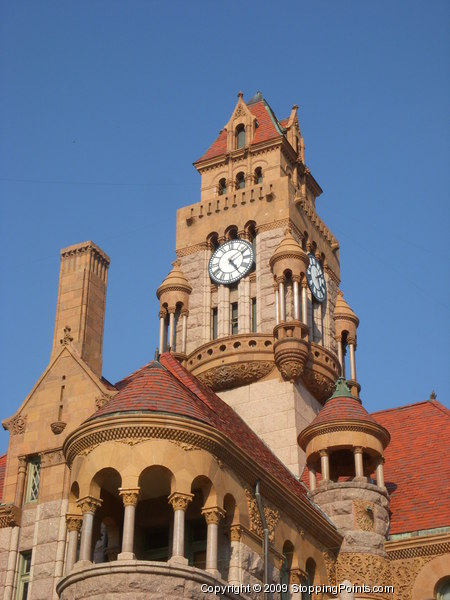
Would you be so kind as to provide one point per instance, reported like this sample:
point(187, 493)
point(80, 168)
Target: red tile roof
point(268, 128)
point(2, 474)
point(167, 387)
point(342, 409)
point(417, 467)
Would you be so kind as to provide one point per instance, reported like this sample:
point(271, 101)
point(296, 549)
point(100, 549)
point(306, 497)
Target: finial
point(240, 94)
point(67, 337)
point(176, 263)
point(433, 395)
point(157, 354)
point(341, 390)
point(294, 106)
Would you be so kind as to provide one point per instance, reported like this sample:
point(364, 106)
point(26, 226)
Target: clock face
point(231, 261)
point(316, 279)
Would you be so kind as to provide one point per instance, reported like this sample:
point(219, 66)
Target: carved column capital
point(304, 282)
point(171, 310)
point(213, 515)
point(297, 576)
point(73, 522)
point(184, 312)
point(324, 452)
point(381, 460)
point(358, 449)
point(22, 464)
point(351, 340)
point(89, 504)
point(180, 501)
point(279, 279)
point(296, 278)
point(130, 496)
point(162, 313)
point(235, 533)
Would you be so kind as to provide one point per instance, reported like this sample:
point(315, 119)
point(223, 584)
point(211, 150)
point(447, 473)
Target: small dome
point(342, 408)
point(343, 311)
point(175, 280)
point(289, 248)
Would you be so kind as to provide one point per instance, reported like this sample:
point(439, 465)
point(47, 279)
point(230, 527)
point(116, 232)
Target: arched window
point(240, 181)
point(222, 186)
point(240, 136)
point(258, 178)
point(443, 589)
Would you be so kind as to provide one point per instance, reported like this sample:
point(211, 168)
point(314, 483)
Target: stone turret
point(345, 445)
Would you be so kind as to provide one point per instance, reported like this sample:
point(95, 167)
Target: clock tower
point(252, 306)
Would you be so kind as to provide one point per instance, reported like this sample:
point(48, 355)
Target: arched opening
point(240, 136)
point(258, 176)
point(288, 555)
point(310, 576)
point(443, 589)
point(222, 187)
point(108, 519)
point(342, 465)
point(240, 180)
point(154, 515)
point(231, 233)
point(226, 559)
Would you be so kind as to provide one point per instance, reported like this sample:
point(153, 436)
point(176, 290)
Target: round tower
point(173, 295)
point(289, 264)
point(346, 324)
point(344, 447)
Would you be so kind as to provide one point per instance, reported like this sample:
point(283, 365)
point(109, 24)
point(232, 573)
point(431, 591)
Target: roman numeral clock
point(231, 261)
point(316, 279)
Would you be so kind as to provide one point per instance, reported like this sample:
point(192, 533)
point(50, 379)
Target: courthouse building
point(241, 453)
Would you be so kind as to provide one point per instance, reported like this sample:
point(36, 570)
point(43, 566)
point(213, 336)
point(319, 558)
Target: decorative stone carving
point(67, 338)
point(58, 427)
point(184, 445)
point(54, 457)
point(235, 533)
point(330, 565)
point(228, 376)
point(101, 400)
point(364, 514)
point(321, 387)
point(9, 515)
point(73, 522)
point(16, 425)
point(363, 569)
point(129, 496)
point(213, 515)
point(272, 516)
point(180, 501)
point(89, 504)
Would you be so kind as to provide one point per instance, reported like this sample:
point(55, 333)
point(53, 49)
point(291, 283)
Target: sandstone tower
point(267, 340)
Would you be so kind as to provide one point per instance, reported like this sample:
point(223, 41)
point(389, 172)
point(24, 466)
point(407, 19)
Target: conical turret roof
point(176, 279)
point(343, 310)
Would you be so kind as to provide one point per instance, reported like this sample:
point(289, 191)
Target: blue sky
point(104, 105)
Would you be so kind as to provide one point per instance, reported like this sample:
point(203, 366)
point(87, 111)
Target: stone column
point(380, 472)
point(359, 467)
point(21, 476)
point(184, 316)
point(312, 478)
point(296, 577)
point(172, 332)
point(88, 506)
point(212, 517)
point(73, 525)
point(325, 465)
point(351, 349)
point(244, 305)
point(223, 311)
point(162, 326)
point(277, 305)
point(295, 282)
point(234, 569)
point(304, 302)
point(129, 497)
point(281, 301)
point(179, 504)
point(340, 354)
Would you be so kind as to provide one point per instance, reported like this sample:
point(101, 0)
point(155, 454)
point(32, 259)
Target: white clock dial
point(231, 261)
point(316, 279)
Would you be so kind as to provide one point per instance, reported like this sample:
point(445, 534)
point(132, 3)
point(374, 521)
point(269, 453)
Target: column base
point(214, 572)
point(126, 556)
point(360, 479)
point(178, 560)
point(82, 564)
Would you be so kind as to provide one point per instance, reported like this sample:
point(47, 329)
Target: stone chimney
point(80, 308)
